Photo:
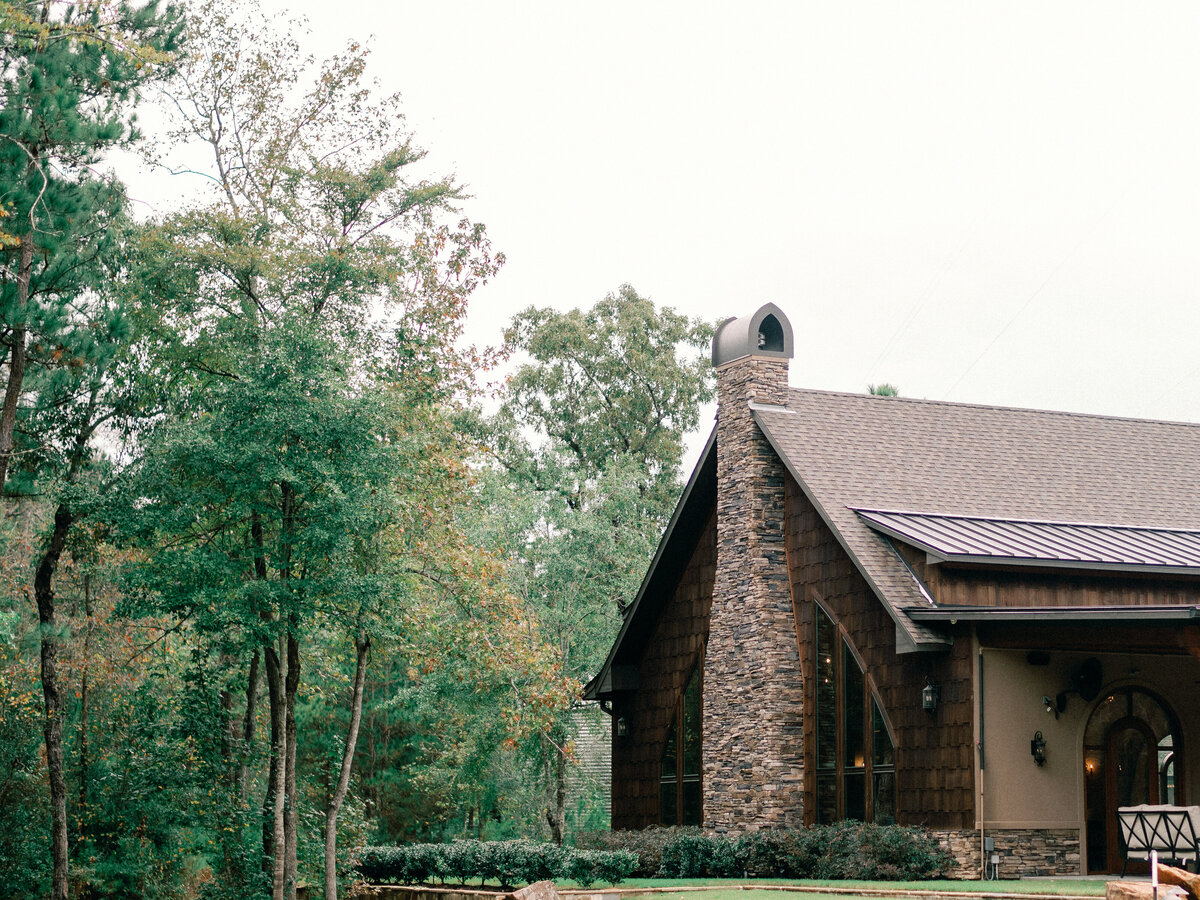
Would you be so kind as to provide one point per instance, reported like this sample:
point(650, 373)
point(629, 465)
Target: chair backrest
point(1165, 830)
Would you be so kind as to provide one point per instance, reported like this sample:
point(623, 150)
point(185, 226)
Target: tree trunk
point(362, 643)
point(291, 685)
point(557, 788)
point(228, 734)
point(243, 775)
point(272, 815)
point(16, 356)
point(83, 702)
point(43, 589)
point(273, 836)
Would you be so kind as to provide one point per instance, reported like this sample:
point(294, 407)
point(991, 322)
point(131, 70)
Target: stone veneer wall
point(1023, 852)
point(753, 698)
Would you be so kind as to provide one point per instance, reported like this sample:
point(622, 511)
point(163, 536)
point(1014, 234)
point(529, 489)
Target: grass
point(763, 894)
point(728, 888)
point(732, 888)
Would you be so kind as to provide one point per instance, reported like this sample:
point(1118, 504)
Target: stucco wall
point(1018, 794)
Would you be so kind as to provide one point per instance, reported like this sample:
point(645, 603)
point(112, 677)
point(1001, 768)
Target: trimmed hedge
point(506, 862)
point(841, 851)
point(647, 843)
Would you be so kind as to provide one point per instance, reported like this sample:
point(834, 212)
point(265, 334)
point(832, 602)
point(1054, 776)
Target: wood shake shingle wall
point(934, 759)
point(674, 649)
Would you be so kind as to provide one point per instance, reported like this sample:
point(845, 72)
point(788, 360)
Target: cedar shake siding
point(675, 648)
point(957, 585)
point(934, 759)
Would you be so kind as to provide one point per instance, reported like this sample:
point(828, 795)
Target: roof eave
point(952, 614)
point(602, 685)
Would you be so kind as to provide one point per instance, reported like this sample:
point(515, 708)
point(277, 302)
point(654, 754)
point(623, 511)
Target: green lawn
point(728, 888)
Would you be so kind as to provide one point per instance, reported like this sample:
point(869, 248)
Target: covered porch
point(1079, 711)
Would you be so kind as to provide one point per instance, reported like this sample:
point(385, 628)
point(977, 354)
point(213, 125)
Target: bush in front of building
point(508, 863)
point(846, 850)
point(701, 856)
point(896, 853)
point(646, 843)
point(778, 853)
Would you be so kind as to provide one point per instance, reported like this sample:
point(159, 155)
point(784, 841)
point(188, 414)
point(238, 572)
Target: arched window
point(855, 752)
point(680, 780)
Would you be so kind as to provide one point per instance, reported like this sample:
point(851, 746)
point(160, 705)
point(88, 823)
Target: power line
point(917, 306)
point(1053, 272)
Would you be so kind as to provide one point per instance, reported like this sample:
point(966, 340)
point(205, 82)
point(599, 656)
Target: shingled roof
point(854, 451)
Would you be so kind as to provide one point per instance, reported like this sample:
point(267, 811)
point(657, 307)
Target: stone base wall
point(1024, 852)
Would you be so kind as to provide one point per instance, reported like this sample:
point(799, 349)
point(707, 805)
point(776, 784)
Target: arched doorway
point(1132, 754)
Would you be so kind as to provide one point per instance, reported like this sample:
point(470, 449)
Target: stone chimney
point(753, 701)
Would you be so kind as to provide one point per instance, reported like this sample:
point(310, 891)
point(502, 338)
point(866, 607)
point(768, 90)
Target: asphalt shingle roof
point(853, 451)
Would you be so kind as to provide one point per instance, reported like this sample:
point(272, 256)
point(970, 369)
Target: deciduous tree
point(589, 441)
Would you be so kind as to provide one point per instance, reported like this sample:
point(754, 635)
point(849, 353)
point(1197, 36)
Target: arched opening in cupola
point(770, 334)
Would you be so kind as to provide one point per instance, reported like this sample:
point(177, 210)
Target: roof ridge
point(987, 406)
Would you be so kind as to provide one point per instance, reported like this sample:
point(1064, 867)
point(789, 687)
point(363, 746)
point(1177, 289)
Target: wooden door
point(1131, 770)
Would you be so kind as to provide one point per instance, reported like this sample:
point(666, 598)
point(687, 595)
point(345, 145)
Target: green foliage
point(585, 454)
point(700, 856)
point(24, 817)
point(846, 850)
point(618, 384)
point(883, 390)
point(647, 844)
point(586, 867)
point(508, 863)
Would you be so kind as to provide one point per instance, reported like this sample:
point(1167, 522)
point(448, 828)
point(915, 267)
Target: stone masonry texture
point(1023, 852)
point(753, 697)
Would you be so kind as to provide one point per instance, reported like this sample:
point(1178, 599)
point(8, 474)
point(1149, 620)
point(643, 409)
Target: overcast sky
point(984, 202)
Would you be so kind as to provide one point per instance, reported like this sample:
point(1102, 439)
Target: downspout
point(983, 860)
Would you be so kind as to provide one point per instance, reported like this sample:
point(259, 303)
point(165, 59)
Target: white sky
point(991, 202)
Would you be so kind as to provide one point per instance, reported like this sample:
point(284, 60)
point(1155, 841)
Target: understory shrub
point(842, 851)
point(507, 863)
point(700, 856)
point(647, 844)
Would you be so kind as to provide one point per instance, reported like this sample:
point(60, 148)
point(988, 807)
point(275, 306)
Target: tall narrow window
point(679, 788)
point(855, 754)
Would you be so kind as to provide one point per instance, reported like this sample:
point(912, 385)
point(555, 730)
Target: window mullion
point(840, 718)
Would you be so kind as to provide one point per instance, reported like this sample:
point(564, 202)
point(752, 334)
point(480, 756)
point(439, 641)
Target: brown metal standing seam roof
point(1022, 542)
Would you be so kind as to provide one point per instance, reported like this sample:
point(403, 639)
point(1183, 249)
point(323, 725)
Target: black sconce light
point(1038, 748)
point(622, 726)
point(929, 697)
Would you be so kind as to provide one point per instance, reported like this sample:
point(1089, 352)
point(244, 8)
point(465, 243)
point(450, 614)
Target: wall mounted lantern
point(1037, 747)
point(929, 697)
point(622, 726)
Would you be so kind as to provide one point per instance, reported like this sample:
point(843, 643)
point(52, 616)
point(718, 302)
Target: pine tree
point(71, 72)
